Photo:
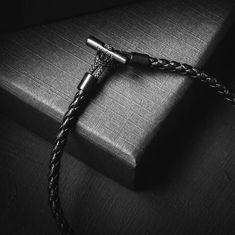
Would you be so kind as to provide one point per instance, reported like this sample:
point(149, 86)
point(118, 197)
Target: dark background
point(15, 14)
point(188, 185)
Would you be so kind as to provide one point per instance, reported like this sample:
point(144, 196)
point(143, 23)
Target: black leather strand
point(102, 61)
point(54, 166)
point(194, 73)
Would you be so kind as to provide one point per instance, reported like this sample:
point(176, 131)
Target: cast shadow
point(170, 151)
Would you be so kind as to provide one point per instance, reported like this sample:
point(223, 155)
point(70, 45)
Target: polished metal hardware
point(99, 45)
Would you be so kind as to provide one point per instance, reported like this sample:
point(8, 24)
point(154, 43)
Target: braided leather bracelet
point(105, 58)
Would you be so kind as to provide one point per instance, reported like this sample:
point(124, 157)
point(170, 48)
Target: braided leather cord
point(54, 165)
point(101, 62)
point(194, 73)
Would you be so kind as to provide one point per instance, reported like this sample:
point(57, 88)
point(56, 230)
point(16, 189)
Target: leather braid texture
point(194, 73)
point(54, 165)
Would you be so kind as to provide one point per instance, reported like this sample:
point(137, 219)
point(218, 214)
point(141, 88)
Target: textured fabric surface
point(42, 66)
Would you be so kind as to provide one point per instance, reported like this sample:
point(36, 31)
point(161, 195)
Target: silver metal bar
point(97, 44)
